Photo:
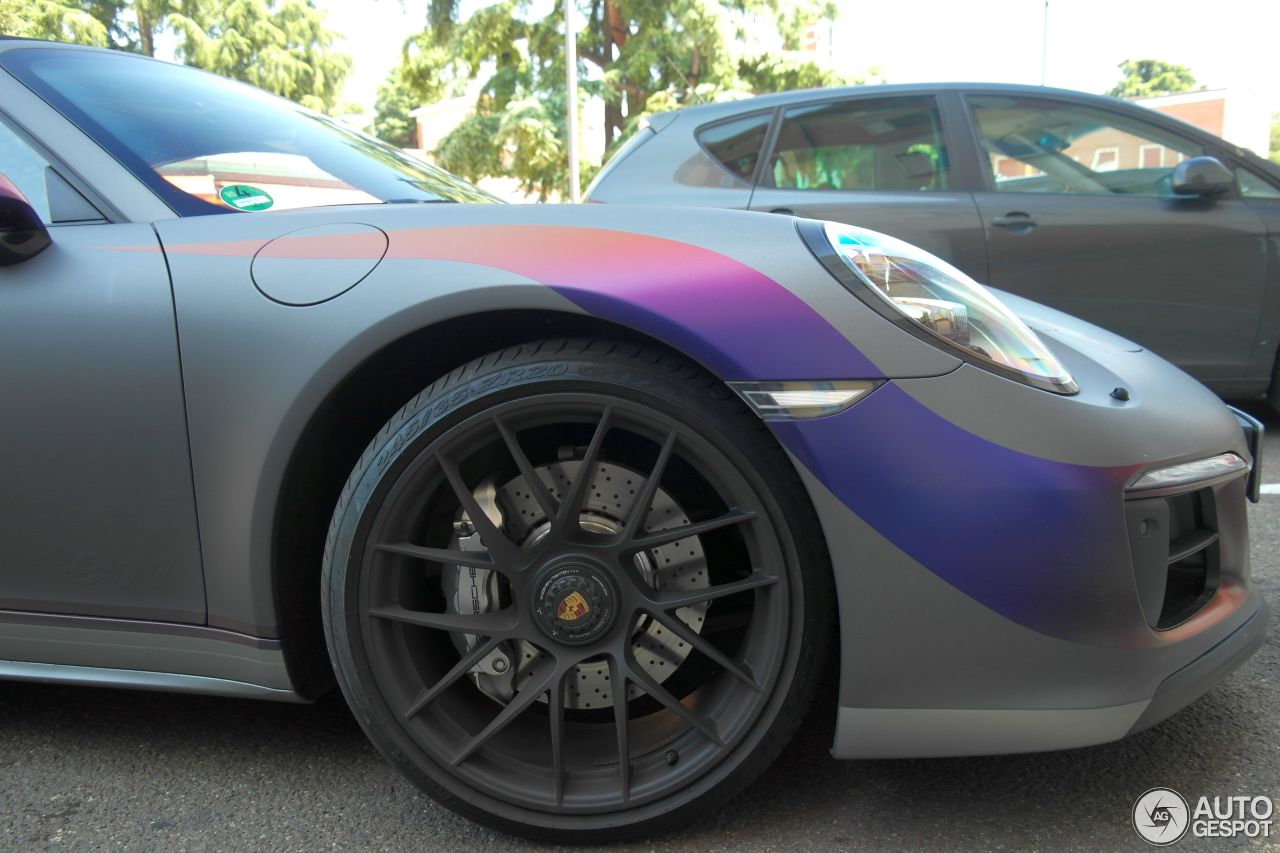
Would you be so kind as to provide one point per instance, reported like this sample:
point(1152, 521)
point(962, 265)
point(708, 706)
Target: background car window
point(880, 144)
point(736, 144)
point(1255, 186)
point(1047, 146)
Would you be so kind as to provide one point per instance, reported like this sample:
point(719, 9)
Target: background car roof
point(704, 113)
point(775, 99)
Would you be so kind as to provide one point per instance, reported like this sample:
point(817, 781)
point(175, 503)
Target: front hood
point(1059, 325)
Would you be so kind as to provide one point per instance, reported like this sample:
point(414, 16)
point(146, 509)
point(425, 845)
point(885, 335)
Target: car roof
point(775, 99)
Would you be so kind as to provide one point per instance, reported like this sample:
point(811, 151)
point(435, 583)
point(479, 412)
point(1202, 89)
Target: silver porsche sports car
point(578, 505)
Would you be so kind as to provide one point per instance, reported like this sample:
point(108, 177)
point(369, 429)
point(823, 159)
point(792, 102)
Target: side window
point(1040, 145)
point(52, 197)
point(871, 144)
point(1253, 185)
point(736, 144)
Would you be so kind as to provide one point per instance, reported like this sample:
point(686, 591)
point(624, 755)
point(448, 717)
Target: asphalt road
point(106, 769)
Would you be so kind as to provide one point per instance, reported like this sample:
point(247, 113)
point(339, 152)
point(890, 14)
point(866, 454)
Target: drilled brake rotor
point(679, 566)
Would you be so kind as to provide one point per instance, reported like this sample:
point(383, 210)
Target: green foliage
point(391, 120)
point(279, 45)
point(467, 150)
point(52, 19)
point(638, 56)
point(781, 73)
point(1146, 77)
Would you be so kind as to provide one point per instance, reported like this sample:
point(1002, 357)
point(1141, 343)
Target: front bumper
point(985, 557)
point(934, 733)
point(1194, 680)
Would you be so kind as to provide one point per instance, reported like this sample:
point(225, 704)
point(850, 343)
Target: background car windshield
point(206, 144)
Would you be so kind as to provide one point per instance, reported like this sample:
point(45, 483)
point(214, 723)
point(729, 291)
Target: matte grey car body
point(1194, 277)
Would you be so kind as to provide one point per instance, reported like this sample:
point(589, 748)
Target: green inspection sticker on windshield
point(245, 197)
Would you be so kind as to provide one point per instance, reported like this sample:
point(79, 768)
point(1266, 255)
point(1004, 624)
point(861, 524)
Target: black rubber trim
point(815, 238)
point(1194, 680)
point(1254, 432)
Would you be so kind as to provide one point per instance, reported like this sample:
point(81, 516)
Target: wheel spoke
point(500, 624)
point(555, 713)
point(459, 669)
point(447, 556)
point(571, 506)
point(675, 534)
point(674, 600)
point(500, 547)
point(677, 626)
point(522, 700)
point(634, 524)
point(548, 504)
point(662, 695)
point(621, 722)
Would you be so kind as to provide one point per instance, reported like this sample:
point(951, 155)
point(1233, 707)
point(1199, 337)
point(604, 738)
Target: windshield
point(206, 144)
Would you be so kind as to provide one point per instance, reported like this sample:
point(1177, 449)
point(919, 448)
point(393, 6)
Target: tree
point(1146, 77)
point(635, 55)
point(51, 19)
point(280, 45)
point(1274, 156)
point(391, 120)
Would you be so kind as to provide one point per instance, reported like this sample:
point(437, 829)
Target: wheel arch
point(339, 430)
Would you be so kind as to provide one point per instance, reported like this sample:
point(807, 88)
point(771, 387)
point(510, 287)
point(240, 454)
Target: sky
point(1226, 43)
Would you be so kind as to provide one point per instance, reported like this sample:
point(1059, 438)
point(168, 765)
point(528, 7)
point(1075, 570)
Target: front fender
point(736, 292)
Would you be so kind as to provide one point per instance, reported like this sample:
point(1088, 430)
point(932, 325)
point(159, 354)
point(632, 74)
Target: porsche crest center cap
point(574, 604)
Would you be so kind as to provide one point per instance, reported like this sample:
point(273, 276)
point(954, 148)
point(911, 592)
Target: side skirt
point(146, 655)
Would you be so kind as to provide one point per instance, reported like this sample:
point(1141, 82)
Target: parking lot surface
point(104, 769)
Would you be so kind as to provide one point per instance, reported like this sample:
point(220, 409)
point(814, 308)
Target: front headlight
point(925, 294)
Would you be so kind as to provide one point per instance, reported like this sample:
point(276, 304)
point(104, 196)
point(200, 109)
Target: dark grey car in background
point(1115, 213)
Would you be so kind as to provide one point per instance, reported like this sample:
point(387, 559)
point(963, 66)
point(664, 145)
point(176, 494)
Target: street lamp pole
point(1044, 44)
point(571, 97)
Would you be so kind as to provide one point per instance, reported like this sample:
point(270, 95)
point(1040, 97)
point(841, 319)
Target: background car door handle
point(1016, 221)
point(785, 211)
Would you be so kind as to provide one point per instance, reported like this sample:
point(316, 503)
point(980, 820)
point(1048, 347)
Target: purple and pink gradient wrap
point(1006, 528)
point(1019, 533)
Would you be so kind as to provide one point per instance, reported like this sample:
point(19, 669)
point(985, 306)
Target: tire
point(479, 634)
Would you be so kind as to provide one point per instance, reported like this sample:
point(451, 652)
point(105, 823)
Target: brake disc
point(678, 566)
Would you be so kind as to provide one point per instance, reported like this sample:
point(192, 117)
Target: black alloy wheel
point(575, 591)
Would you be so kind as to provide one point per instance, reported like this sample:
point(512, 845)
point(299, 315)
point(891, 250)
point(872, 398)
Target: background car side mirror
point(1202, 176)
point(22, 234)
